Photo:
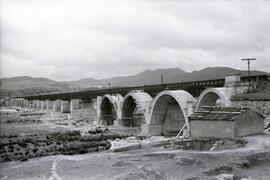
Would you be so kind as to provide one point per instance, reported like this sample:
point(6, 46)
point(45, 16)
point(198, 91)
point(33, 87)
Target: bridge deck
point(193, 87)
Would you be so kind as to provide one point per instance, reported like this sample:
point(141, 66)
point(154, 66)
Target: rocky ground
point(25, 135)
point(148, 158)
point(249, 162)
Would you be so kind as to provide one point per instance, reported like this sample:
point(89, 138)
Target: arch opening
point(131, 115)
point(210, 99)
point(168, 114)
point(108, 112)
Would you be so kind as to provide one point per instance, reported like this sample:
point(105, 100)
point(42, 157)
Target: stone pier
point(74, 104)
point(57, 106)
point(39, 105)
point(49, 105)
point(65, 108)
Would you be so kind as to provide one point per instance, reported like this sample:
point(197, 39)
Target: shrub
point(35, 150)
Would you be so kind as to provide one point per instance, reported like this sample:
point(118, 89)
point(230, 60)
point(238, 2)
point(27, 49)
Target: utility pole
point(248, 60)
point(161, 78)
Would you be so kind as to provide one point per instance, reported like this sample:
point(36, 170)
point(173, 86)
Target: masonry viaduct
point(161, 109)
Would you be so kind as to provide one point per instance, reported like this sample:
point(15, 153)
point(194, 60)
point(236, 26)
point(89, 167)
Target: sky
point(72, 39)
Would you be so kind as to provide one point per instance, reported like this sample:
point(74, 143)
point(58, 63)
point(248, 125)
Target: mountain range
point(147, 77)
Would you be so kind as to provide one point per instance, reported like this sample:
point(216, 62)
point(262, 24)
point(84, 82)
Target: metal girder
point(193, 87)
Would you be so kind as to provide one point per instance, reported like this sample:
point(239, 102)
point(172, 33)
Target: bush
point(83, 151)
point(35, 150)
point(58, 143)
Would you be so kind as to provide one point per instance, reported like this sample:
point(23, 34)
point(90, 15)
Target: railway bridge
point(155, 109)
point(195, 88)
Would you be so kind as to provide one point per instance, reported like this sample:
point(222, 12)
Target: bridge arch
point(170, 111)
point(214, 96)
point(135, 108)
point(109, 108)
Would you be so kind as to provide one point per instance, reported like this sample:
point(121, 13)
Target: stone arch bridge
point(157, 109)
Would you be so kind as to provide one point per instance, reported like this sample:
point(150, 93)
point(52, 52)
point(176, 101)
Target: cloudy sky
point(73, 39)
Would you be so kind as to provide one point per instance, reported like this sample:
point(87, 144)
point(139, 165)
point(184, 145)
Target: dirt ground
point(149, 162)
point(250, 162)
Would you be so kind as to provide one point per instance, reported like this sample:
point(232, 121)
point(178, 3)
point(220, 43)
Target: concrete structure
point(20, 102)
point(166, 115)
point(26, 103)
point(57, 106)
point(169, 113)
point(65, 108)
point(49, 105)
point(86, 104)
point(40, 104)
point(12, 102)
point(36, 104)
point(16, 102)
point(109, 109)
point(135, 108)
point(74, 104)
point(221, 96)
point(31, 106)
point(6, 102)
point(225, 123)
point(43, 105)
point(232, 80)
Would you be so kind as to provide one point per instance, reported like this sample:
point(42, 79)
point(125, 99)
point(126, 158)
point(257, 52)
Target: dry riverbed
point(151, 162)
point(144, 158)
point(26, 135)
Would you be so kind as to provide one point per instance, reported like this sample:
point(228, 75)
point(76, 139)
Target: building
point(225, 122)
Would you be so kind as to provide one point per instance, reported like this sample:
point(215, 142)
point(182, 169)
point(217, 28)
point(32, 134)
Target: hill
point(216, 73)
point(169, 76)
point(26, 82)
point(143, 78)
point(25, 85)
